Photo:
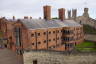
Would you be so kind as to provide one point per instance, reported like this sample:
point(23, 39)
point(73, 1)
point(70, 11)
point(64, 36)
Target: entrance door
point(34, 61)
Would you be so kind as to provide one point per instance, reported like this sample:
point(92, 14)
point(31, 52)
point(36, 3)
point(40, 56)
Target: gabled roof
point(41, 23)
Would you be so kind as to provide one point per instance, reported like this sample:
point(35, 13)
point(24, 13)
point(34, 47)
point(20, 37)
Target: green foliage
point(86, 44)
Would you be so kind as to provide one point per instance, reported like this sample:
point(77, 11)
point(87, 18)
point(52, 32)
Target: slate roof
point(41, 23)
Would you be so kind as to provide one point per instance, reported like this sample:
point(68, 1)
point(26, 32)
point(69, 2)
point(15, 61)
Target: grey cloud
point(33, 8)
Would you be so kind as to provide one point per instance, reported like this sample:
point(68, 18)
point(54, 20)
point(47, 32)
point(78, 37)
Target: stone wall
point(58, 58)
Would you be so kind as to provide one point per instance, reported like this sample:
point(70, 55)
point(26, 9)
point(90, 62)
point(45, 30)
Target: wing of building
point(41, 34)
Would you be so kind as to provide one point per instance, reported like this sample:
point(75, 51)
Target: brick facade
point(58, 37)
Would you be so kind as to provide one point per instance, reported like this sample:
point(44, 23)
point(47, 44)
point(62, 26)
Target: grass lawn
point(86, 46)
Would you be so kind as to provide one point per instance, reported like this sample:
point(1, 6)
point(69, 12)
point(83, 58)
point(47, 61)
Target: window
point(54, 39)
point(53, 46)
point(69, 45)
point(53, 31)
point(58, 31)
point(67, 31)
point(44, 41)
point(61, 30)
point(49, 47)
point(49, 32)
point(32, 43)
point(39, 42)
point(38, 34)
point(32, 35)
point(44, 33)
point(68, 38)
point(49, 40)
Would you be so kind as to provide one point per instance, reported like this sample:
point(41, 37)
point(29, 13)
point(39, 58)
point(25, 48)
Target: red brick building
point(42, 34)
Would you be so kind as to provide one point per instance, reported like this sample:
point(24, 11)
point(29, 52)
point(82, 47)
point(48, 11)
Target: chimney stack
point(47, 12)
point(30, 17)
point(25, 17)
point(74, 14)
point(69, 14)
point(61, 14)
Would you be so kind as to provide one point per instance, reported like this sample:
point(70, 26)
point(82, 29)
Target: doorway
point(34, 61)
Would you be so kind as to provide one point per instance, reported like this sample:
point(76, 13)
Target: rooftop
point(41, 23)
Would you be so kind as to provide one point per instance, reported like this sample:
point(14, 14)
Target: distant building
point(84, 19)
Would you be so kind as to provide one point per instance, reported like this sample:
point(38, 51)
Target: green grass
point(86, 46)
point(89, 30)
point(86, 49)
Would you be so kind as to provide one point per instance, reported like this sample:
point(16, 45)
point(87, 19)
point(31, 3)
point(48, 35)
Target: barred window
point(53, 31)
point(54, 39)
point(44, 41)
point(32, 35)
point(49, 32)
point(32, 43)
point(38, 34)
point(44, 33)
point(49, 40)
point(39, 42)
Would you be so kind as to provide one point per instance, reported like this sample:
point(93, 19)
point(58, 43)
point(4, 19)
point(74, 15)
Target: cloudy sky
point(20, 8)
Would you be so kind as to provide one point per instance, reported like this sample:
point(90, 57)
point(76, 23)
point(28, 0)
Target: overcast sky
point(20, 8)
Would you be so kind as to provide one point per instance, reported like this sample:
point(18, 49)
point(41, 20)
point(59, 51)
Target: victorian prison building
point(41, 34)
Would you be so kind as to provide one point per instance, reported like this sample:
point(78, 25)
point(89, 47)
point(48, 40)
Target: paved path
point(90, 37)
point(57, 58)
point(8, 57)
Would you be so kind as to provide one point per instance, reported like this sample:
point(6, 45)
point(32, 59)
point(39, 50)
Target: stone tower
point(74, 14)
point(69, 14)
point(85, 14)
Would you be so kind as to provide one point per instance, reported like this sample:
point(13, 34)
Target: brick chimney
point(61, 14)
point(47, 12)
point(74, 14)
point(69, 14)
point(25, 17)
